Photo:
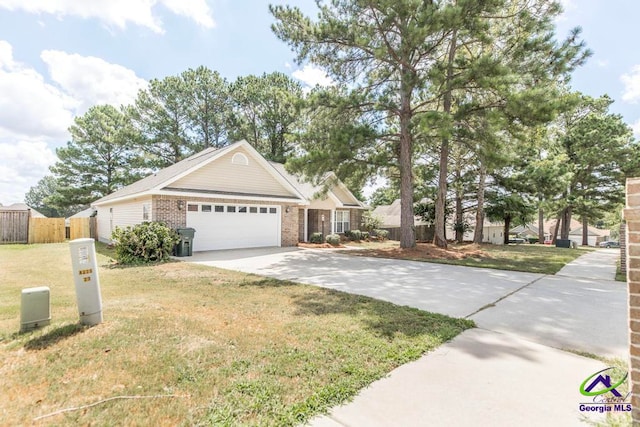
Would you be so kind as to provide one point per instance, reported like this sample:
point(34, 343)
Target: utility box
point(563, 243)
point(85, 276)
point(35, 308)
point(185, 245)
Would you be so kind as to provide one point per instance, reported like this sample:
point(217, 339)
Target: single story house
point(390, 216)
point(86, 213)
point(233, 198)
point(595, 235)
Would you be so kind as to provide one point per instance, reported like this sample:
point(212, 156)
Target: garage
point(230, 226)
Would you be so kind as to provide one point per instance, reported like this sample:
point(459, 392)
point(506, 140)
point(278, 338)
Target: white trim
point(333, 221)
point(242, 160)
point(305, 221)
point(302, 202)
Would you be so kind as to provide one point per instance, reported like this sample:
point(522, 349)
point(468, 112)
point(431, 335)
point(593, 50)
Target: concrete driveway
point(506, 372)
point(440, 288)
point(561, 311)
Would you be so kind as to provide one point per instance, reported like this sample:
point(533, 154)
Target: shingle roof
point(22, 207)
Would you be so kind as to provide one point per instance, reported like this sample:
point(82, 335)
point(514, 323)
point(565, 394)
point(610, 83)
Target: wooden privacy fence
point(82, 227)
point(424, 233)
point(14, 226)
point(46, 230)
point(20, 227)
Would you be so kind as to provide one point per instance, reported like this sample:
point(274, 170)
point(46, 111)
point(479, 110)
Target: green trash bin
point(185, 245)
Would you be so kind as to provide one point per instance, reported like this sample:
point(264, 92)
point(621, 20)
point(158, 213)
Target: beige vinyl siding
point(222, 175)
point(124, 214)
point(342, 195)
point(326, 203)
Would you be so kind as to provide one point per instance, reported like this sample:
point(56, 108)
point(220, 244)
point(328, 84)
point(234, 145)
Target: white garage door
point(222, 226)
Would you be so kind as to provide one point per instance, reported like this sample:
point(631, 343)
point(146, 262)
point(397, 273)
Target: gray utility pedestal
point(185, 245)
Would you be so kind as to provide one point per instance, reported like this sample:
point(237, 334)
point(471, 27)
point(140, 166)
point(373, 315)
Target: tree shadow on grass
point(382, 318)
point(54, 336)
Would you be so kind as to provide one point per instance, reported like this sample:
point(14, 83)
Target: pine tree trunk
point(566, 223)
point(540, 224)
point(478, 233)
point(459, 218)
point(507, 227)
point(585, 231)
point(556, 227)
point(440, 237)
point(407, 229)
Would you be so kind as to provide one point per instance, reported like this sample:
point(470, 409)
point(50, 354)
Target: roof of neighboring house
point(390, 215)
point(22, 207)
point(591, 231)
point(548, 226)
point(300, 190)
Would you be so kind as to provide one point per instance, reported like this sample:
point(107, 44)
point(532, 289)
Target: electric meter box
point(85, 276)
point(35, 308)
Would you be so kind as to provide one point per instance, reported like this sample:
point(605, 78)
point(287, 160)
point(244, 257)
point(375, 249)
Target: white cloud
point(198, 10)
point(35, 113)
point(636, 128)
point(117, 13)
point(92, 80)
point(29, 106)
point(23, 164)
point(313, 76)
point(631, 81)
point(602, 63)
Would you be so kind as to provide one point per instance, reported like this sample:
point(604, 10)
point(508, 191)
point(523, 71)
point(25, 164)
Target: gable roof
point(155, 183)
point(311, 191)
point(22, 207)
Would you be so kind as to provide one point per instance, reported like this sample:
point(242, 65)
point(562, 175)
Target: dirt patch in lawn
point(427, 251)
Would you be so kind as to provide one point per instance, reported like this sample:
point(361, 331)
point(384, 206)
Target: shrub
point(355, 235)
point(315, 238)
point(365, 235)
point(371, 222)
point(533, 240)
point(333, 239)
point(382, 234)
point(144, 243)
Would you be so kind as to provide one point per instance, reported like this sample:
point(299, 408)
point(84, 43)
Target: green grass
point(528, 258)
point(229, 348)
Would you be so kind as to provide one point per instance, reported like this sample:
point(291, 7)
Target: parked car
point(516, 240)
point(609, 244)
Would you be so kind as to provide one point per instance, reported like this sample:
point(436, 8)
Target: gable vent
point(240, 159)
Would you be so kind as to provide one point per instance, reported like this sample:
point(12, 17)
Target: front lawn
point(524, 257)
point(192, 345)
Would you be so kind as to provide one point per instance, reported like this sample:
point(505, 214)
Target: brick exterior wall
point(166, 209)
point(315, 221)
point(355, 219)
point(289, 226)
point(623, 248)
point(632, 218)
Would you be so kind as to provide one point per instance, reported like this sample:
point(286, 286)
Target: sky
point(60, 57)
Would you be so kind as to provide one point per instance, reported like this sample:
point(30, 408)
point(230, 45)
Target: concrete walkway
point(510, 370)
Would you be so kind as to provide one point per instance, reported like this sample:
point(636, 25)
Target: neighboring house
point(233, 198)
point(390, 216)
point(525, 231)
point(23, 207)
point(87, 213)
point(595, 235)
